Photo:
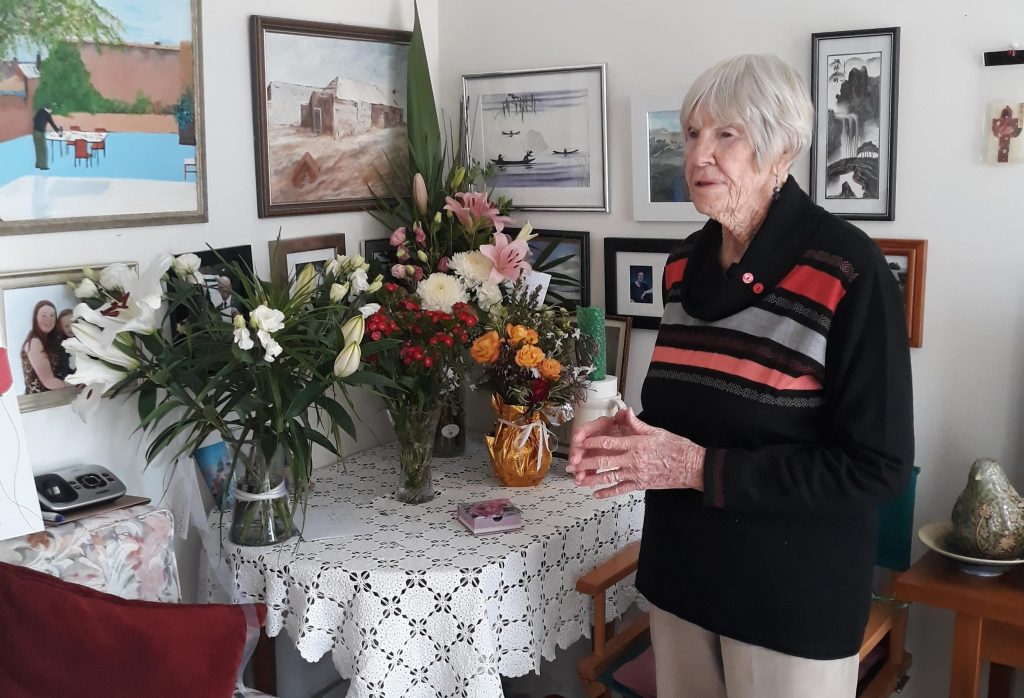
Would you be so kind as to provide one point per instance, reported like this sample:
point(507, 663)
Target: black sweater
point(793, 370)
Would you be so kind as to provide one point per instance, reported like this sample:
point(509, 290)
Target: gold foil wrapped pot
point(520, 446)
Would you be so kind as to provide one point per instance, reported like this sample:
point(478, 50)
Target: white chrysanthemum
point(488, 295)
point(440, 292)
point(472, 267)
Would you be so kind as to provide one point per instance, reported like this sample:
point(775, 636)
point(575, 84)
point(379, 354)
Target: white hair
point(762, 94)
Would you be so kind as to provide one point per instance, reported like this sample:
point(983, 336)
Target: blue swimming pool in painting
point(154, 156)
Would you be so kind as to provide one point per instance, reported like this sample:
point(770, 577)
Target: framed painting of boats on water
point(854, 86)
point(101, 116)
point(543, 133)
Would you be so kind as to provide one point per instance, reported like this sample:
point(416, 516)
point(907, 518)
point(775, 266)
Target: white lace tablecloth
point(412, 604)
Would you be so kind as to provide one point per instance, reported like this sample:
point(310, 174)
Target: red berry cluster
point(380, 325)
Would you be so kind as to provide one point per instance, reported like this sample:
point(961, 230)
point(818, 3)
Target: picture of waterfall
point(853, 154)
point(853, 128)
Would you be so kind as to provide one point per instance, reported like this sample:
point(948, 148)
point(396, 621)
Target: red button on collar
point(747, 277)
point(758, 287)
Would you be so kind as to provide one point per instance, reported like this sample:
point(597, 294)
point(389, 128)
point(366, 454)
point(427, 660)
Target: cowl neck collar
point(710, 294)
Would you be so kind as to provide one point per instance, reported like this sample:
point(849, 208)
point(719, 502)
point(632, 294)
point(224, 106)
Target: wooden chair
point(100, 145)
point(82, 152)
point(623, 652)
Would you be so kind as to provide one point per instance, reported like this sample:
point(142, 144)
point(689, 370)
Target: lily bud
point(526, 233)
point(375, 285)
point(458, 174)
point(305, 283)
point(419, 194)
point(352, 330)
point(437, 218)
point(348, 360)
point(238, 321)
point(338, 292)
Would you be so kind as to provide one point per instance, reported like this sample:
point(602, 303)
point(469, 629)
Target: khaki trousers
point(694, 663)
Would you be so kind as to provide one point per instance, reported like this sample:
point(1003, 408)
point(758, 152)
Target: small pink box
point(489, 516)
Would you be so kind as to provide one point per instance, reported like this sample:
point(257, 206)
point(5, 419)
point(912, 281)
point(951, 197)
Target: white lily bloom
point(136, 312)
point(338, 292)
point(243, 338)
point(352, 330)
point(117, 276)
point(369, 309)
point(87, 340)
point(347, 361)
point(186, 266)
point(86, 289)
point(271, 348)
point(96, 378)
point(266, 319)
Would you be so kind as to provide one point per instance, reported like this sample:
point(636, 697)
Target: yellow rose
point(550, 370)
point(529, 356)
point(517, 334)
point(485, 348)
point(532, 337)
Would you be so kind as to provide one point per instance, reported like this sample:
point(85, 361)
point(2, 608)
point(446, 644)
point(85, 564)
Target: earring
point(776, 192)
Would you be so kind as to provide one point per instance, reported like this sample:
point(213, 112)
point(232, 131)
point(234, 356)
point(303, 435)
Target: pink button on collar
point(758, 287)
point(747, 277)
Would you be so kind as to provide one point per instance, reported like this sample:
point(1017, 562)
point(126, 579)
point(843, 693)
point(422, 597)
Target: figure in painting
point(43, 116)
point(1005, 128)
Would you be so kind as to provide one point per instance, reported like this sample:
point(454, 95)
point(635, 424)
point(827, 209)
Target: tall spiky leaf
point(424, 130)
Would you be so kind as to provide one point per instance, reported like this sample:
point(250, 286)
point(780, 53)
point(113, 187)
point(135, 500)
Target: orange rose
point(485, 348)
point(532, 337)
point(529, 356)
point(550, 369)
point(517, 334)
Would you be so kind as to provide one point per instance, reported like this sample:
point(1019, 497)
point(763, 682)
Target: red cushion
point(64, 639)
point(638, 674)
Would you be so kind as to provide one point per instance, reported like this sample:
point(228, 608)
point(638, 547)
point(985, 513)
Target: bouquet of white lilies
point(260, 375)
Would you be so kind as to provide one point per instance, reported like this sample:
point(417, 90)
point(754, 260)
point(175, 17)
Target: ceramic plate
point(936, 536)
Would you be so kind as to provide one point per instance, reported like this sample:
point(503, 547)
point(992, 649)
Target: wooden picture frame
point(322, 126)
point(908, 261)
point(660, 192)
point(546, 133)
point(855, 90)
point(617, 330)
point(286, 254)
point(125, 149)
point(574, 247)
point(21, 295)
point(625, 260)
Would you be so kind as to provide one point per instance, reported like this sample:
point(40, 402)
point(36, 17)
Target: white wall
point(967, 377)
point(56, 436)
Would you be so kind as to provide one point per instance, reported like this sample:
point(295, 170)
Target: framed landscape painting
point(329, 111)
point(101, 118)
point(659, 182)
point(855, 88)
point(544, 133)
point(908, 262)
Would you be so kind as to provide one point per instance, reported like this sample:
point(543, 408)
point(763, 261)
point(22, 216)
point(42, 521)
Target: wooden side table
point(989, 620)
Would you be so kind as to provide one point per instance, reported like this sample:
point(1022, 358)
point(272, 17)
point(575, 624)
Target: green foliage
point(425, 153)
point(45, 24)
point(65, 84)
point(185, 109)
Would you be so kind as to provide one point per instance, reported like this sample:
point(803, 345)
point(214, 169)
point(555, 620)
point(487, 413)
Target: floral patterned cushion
point(128, 552)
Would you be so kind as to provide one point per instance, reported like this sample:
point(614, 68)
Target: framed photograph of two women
point(101, 115)
point(544, 135)
point(854, 85)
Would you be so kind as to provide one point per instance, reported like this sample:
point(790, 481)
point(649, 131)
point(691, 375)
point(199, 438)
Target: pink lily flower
point(508, 258)
point(474, 211)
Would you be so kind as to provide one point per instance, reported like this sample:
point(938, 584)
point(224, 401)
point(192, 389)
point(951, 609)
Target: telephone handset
point(76, 487)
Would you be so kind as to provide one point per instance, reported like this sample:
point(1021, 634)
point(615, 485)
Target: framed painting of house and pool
point(101, 118)
point(329, 112)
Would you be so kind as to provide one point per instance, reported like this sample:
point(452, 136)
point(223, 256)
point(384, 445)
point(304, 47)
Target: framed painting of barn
point(855, 89)
point(101, 115)
point(329, 112)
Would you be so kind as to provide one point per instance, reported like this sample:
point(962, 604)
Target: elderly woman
point(777, 413)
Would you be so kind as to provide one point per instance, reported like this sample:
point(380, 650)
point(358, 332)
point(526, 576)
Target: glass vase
point(451, 427)
point(262, 510)
point(415, 429)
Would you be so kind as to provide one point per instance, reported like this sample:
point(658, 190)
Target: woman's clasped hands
point(619, 454)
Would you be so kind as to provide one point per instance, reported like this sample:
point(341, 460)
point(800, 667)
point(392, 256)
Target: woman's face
point(46, 319)
point(721, 169)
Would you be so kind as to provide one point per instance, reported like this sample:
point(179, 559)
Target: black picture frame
point(379, 253)
point(577, 248)
point(282, 169)
point(623, 258)
point(287, 253)
point(853, 155)
point(213, 264)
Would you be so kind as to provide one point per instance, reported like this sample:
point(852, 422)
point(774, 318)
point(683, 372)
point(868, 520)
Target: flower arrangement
point(416, 350)
point(528, 357)
point(259, 375)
